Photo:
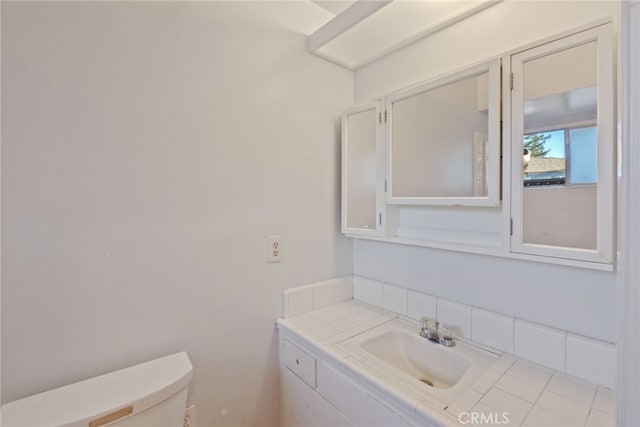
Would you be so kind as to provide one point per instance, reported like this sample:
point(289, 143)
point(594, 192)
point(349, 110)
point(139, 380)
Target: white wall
point(629, 277)
point(148, 151)
point(580, 301)
point(0, 213)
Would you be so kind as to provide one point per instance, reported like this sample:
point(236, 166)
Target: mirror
point(360, 169)
point(562, 108)
point(444, 139)
point(560, 148)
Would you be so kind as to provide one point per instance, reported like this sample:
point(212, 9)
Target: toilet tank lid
point(140, 386)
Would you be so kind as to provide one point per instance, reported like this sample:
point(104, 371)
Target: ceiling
point(334, 6)
point(365, 30)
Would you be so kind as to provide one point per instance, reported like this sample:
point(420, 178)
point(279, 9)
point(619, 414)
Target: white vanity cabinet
point(363, 408)
point(302, 404)
point(315, 393)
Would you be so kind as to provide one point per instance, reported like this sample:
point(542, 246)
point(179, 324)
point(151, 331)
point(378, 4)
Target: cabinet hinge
point(380, 117)
point(511, 81)
point(385, 185)
point(385, 116)
point(510, 226)
point(380, 218)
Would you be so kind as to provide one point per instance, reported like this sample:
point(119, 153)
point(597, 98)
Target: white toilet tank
point(152, 394)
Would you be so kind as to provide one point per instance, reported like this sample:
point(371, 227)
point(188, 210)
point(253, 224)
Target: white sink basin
point(397, 351)
point(431, 363)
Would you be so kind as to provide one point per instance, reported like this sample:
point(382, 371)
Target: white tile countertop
point(530, 394)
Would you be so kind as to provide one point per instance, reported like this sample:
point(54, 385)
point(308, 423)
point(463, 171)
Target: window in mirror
point(444, 140)
point(583, 155)
point(561, 157)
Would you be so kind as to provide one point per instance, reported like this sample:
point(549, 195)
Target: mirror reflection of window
point(565, 156)
point(560, 148)
point(583, 153)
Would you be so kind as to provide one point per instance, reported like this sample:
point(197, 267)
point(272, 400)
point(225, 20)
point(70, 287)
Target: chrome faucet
point(429, 329)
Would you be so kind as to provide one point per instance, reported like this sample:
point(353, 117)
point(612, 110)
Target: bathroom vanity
point(355, 364)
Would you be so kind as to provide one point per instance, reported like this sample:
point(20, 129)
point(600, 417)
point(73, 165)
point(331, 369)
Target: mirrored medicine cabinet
point(362, 170)
point(438, 145)
point(443, 140)
point(562, 115)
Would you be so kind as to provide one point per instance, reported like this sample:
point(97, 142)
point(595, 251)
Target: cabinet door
point(362, 170)
point(304, 407)
point(443, 140)
point(563, 140)
point(354, 401)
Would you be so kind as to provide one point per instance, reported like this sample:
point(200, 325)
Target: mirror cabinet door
point(562, 146)
point(444, 140)
point(362, 148)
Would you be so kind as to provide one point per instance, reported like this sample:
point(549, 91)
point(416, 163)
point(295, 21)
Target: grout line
point(565, 353)
point(513, 335)
point(406, 302)
point(471, 308)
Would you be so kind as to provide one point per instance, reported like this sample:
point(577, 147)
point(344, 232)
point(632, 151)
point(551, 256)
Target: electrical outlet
point(275, 248)
point(190, 416)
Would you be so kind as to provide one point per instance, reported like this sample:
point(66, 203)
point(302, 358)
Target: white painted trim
point(629, 267)
point(330, 58)
point(0, 217)
point(506, 154)
point(487, 250)
point(381, 171)
point(350, 17)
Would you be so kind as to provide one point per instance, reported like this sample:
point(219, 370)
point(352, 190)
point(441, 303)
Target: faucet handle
point(431, 331)
point(428, 324)
point(447, 332)
point(424, 322)
point(446, 337)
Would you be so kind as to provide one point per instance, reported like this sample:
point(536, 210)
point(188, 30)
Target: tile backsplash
point(456, 315)
point(583, 357)
point(492, 329)
point(303, 299)
point(540, 344)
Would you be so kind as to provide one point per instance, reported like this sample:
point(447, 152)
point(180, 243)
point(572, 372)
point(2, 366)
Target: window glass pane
point(544, 158)
point(583, 155)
